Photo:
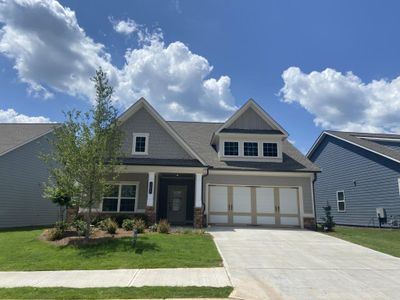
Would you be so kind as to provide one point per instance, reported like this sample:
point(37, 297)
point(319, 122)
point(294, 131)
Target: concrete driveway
point(300, 264)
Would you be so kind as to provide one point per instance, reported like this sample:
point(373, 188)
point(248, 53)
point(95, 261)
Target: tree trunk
point(88, 221)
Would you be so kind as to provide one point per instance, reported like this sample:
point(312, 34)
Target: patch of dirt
point(71, 237)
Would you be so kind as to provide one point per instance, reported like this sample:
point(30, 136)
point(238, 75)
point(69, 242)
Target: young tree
point(86, 150)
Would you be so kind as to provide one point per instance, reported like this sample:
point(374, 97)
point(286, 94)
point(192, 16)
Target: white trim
point(198, 190)
point(259, 110)
point(337, 201)
point(150, 197)
point(318, 141)
point(223, 148)
point(120, 184)
point(26, 142)
point(312, 195)
point(146, 144)
point(159, 169)
point(142, 103)
point(261, 173)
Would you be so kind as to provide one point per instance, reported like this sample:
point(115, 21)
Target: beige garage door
point(253, 205)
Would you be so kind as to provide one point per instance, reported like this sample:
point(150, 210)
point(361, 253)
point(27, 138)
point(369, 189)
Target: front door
point(177, 198)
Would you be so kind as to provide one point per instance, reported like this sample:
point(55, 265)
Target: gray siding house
point(360, 173)
point(22, 175)
point(240, 172)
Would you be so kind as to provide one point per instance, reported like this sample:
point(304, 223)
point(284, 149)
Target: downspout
point(313, 193)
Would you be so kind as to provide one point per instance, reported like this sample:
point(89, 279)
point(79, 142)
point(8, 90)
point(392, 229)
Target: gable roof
point(362, 140)
point(198, 136)
point(15, 135)
point(251, 104)
point(142, 103)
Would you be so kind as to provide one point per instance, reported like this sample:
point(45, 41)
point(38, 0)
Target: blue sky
point(312, 65)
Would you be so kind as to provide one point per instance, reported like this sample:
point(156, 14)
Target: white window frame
point(337, 200)
point(262, 149)
point(120, 184)
point(258, 149)
point(146, 145)
point(223, 148)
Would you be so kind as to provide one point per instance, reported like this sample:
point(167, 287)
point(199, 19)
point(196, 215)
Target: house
point(241, 172)
point(22, 174)
point(360, 173)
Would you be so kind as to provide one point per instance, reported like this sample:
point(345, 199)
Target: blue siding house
point(360, 173)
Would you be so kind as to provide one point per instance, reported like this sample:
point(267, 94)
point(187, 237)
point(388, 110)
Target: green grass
point(383, 240)
point(114, 293)
point(20, 250)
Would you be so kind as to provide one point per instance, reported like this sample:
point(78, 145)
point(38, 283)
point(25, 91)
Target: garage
point(253, 205)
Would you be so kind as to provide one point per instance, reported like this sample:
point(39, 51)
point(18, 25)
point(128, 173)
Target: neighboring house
point(360, 172)
point(22, 174)
point(241, 172)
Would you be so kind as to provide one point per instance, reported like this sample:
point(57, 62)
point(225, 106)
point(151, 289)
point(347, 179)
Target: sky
point(312, 65)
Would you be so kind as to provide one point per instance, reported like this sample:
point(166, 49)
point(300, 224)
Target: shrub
point(119, 219)
point(81, 227)
point(163, 226)
point(62, 225)
point(108, 225)
point(139, 225)
point(55, 234)
point(327, 221)
point(128, 224)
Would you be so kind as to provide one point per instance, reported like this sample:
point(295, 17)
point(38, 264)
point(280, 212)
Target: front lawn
point(114, 293)
point(383, 240)
point(20, 250)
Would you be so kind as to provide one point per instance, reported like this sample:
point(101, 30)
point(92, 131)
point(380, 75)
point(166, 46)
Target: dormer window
point(140, 143)
point(270, 149)
point(231, 148)
point(250, 149)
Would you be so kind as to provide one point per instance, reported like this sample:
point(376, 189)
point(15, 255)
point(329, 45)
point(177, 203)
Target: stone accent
point(309, 223)
point(198, 218)
point(151, 215)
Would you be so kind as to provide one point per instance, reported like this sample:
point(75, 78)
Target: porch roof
point(161, 162)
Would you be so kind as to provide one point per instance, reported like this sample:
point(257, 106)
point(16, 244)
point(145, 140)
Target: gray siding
point(303, 182)
point(250, 120)
point(161, 143)
point(368, 180)
point(22, 175)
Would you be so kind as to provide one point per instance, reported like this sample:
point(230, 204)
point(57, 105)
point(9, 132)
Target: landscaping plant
point(327, 220)
point(163, 226)
point(127, 224)
point(81, 228)
point(55, 234)
point(108, 225)
point(139, 224)
point(86, 150)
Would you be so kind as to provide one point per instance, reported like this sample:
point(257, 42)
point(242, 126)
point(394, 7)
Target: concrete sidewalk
point(211, 277)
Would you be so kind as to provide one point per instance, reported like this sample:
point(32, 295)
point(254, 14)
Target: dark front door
point(176, 201)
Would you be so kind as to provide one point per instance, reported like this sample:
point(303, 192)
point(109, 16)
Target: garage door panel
point(242, 219)
point(292, 221)
point(218, 219)
point(241, 199)
point(266, 220)
point(265, 200)
point(288, 201)
point(218, 198)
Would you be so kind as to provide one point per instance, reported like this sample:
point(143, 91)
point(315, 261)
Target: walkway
point(211, 277)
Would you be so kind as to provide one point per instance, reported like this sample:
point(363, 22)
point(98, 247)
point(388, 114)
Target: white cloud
point(53, 53)
point(11, 116)
point(125, 27)
point(343, 101)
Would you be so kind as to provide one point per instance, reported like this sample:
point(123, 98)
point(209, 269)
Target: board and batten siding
point(247, 180)
point(161, 144)
point(22, 175)
point(250, 120)
point(367, 179)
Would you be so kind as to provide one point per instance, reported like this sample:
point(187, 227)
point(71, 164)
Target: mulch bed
point(72, 238)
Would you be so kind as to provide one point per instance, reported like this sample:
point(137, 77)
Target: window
point(341, 201)
point(120, 198)
point(270, 149)
point(140, 143)
point(250, 149)
point(231, 148)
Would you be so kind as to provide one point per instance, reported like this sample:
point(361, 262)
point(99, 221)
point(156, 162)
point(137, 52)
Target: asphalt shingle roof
point(355, 137)
point(14, 135)
point(198, 135)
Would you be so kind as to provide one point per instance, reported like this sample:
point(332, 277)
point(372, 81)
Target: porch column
point(198, 208)
point(150, 211)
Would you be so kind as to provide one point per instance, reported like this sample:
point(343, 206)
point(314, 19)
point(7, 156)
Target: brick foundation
point(198, 218)
point(309, 223)
point(151, 215)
